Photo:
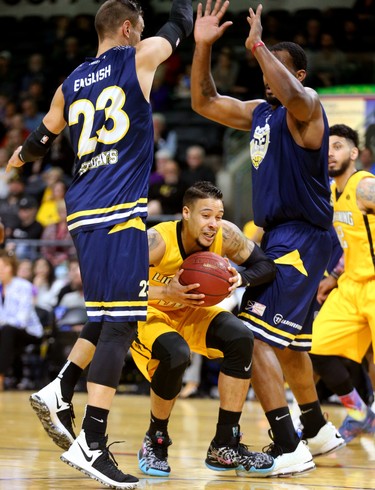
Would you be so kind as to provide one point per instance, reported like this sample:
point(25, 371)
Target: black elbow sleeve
point(37, 144)
point(180, 23)
point(259, 269)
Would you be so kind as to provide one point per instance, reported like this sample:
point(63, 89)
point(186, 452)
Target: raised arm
point(151, 52)
point(204, 97)
point(258, 268)
point(305, 119)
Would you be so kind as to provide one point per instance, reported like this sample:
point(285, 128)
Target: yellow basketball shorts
point(345, 325)
point(190, 323)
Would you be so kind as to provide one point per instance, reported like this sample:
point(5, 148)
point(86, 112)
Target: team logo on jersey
point(259, 144)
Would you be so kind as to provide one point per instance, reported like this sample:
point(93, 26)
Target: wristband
point(257, 45)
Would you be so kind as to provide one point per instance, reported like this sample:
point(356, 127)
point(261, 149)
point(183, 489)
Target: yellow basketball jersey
point(355, 230)
point(173, 258)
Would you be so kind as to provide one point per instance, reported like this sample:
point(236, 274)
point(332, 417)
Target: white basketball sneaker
point(96, 461)
point(327, 440)
point(288, 464)
point(56, 415)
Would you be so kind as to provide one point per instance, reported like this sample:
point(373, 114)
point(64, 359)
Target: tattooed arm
point(204, 97)
point(257, 267)
point(366, 195)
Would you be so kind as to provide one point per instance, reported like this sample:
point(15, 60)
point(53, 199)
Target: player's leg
point(228, 335)
point(117, 297)
point(341, 330)
point(53, 403)
point(162, 355)
point(277, 314)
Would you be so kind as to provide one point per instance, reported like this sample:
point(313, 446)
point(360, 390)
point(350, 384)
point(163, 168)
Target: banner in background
point(353, 106)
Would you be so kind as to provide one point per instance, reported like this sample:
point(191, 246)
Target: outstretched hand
point(15, 160)
point(207, 29)
point(254, 20)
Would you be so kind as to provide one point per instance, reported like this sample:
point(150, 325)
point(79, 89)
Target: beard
point(272, 100)
point(337, 172)
point(203, 247)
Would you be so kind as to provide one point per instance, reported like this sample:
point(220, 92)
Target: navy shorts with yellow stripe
point(114, 268)
point(281, 313)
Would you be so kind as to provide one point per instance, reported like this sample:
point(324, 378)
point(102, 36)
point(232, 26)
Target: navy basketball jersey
point(110, 124)
point(290, 183)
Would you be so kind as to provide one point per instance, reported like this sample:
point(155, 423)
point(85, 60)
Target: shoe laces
point(272, 449)
point(107, 456)
point(159, 445)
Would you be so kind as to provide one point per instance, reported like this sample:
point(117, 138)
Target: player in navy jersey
point(291, 202)
point(105, 104)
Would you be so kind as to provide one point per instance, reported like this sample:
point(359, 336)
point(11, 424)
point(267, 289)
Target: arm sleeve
point(180, 23)
point(258, 269)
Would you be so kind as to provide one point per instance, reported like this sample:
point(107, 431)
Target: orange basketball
point(210, 270)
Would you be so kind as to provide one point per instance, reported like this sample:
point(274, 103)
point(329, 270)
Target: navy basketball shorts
point(281, 313)
point(114, 267)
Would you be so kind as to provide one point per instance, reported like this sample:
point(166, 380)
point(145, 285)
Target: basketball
point(210, 270)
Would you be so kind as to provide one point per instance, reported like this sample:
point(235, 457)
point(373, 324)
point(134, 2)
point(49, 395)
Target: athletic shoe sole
point(44, 415)
point(329, 451)
point(296, 470)
point(95, 476)
point(142, 465)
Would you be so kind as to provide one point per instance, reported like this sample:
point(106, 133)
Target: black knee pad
point(333, 373)
point(230, 335)
point(173, 354)
point(91, 332)
point(109, 358)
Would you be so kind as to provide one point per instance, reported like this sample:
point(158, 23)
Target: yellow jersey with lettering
point(173, 257)
point(356, 231)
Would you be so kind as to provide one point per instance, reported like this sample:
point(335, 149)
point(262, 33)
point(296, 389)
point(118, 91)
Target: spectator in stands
point(27, 229)
point(15, 122)
point(328, 64)
point(9, 205)
point(364, 10)
point(48, 213)
point(74, 282)
point(46, 284)
point(225, 70)
point(350, 40)
point(35, 71)
point(4, 176)
point(182, 88)
point(249, 70)
point(50, 176)
point(166, 197)
point(161, 157)
point(19, 322)
point(31, 115)
point(57, 254)
point(313, 35)
point(25, 269)
point(367, 159)
point(7, 74)
point(159, 96)
point(164, 138)
point(68, 60)
point(196, 169)
point(272, 29)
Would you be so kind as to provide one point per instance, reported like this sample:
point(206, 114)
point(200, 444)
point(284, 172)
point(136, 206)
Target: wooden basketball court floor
point(30, 461)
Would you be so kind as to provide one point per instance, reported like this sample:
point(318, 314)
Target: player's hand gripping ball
point(210, 270)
